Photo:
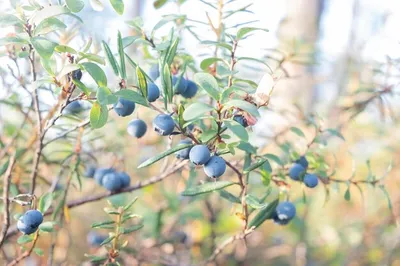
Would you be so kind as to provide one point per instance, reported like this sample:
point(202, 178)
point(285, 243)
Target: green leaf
point(81, 86)
point(219, 44)
point(246, 30)
point(24, 239)
point(110, 58)
point(274, 158)
point(130, 204)
point(254, 202)
point(127, 41)
point(264, 214)
point(132, 96)
point(96, 72)
point(254, 166)
point(244, 105)
point(43, 47)
point(164, 154)
point(49, 25)
point(196, 110)
point(75, 5)
point(386, 193)
point(47, 12)
point(141, 78)
point(65, 49)
point(12, 40)
point(209, 61)
point(96, 258)
point(347, 195)
point(39, 252)
point(169, 58)
point(108, 240)
point(118, 6)
point(45, 202)
point(131, 229)
point(121, 56)
point(166, 81)
point(10, 20)
point(103, 96)
point(335, 132)
point(229, 196)
point(49, 64)
point(100, 224)
point(237, 129)
point(92, 57)
point(47, 226)
point(206, 188)
point(266, 177)
point(159, 3)
point(207, 83)
point(98, 115)
point(297, 131)
point(135, 65)
point(4, 167)
point(67, 69)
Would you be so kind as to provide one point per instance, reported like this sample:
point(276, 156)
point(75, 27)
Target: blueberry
point(285, 211)
point(125, 179)
point(95, 239)
point(100, 172)
point(310, 180)
point(163, 124)
point(184, 154)
point(241, 120)
point(124, 107)
point(77, 74)
point(153, 92)
point(154, 72)
point(74, 107)
point(112, 181)
point(89, 171)
point(137, 128)
point(199, 154)
point(297, 171)
point(279, 221)
point(22, 227)
point(181, 87)
point(191, 90)
point(215, 167)
point(302, 161)
point(32, 218)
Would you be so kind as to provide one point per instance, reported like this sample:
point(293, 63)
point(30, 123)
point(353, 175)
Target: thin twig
point(26, 253)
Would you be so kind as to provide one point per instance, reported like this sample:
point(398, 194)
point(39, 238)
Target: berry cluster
point(298, 172)
point(30, 221)
point(109, 178)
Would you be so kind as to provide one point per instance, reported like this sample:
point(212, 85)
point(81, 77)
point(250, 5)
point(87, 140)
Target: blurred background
point(339, 58)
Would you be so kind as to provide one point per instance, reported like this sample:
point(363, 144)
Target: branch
point(6, 188)
point(26, 253)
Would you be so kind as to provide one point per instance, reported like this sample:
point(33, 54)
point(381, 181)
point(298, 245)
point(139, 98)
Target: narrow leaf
point(98, 115)
point(264, 214)
point(121, 56)
point(196, 110)
point(206, 188)
point(110, 58)
point(164, 154)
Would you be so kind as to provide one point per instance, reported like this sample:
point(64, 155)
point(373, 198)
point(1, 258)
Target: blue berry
point(163, 124)
point(191, 90)
point(184, 154)
point(89, 171)
point(77, 74)
point(74, 107)
point(181, 87)
point(137, 128)
point(199, 154)
point(95, 239)
point(112, 181)
point(302, 161)
point(125, 179)
point(25, 229)
point(154, 72)
point(215, 167)
point(124, 107)
point(153, 92)
point(297, 171)
point(32, 218)
point(241, 120)
point(310, 180)
point(284, 212)
point(100, 172)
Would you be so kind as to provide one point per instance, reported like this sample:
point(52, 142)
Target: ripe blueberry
point(154, 72)
point(284, 212)
point(191, 90)
point(125, 179)
point(89, 171)
point(215, 167)
point(297, 171)
point(153, 92)
point(22, 227)
point(124, 107)
point(95, 239)
point(163, 124)
point(302, 161)
point(77, 74)
point(241, 120)
point(184, 154)
point(112, 181)
point(181, 87)
point(310, 180)
point(100, 172)
point(32, 218)
point(74, 107)
point(199, 154)
point(137, 128)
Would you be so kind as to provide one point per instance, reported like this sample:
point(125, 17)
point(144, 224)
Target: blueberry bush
point(167, 145)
